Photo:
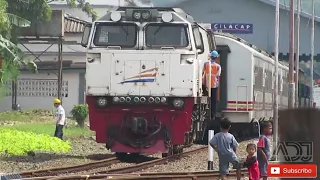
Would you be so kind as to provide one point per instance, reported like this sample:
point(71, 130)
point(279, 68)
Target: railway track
point(204, 175)
point(148, 164)
point(69, 169)
point(52, 172)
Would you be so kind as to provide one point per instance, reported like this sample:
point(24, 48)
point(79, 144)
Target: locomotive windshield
point(115, 34)
point(172, 35)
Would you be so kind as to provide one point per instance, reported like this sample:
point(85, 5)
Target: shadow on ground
point(135, 159)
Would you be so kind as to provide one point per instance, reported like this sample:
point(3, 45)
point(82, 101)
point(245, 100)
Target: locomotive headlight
point(115, 16)
point(136, 99)
point(102, 101)
point(157, 100)
point(122, 99)
point(116, 99)
point(142, 99)
point(137, 15)
point(146, 15)
point(190, 60)
point(167, 17)
point(163, 100)
point(178, 103)
point(93, 57)
point(151, 100)
point(128, 99)
point(90, 60)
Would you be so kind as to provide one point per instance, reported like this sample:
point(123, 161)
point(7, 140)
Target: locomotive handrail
point(247, 105)
point(114, 47)
point(168, 48)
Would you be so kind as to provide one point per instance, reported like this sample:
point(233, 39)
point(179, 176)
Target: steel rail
point(121, 170)
point(199, 175)
point(148, 164)
point(68, 169)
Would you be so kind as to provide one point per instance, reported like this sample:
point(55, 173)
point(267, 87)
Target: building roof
point(73, 24)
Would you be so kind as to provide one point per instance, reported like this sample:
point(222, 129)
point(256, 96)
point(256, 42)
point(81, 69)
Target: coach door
point(222, 94)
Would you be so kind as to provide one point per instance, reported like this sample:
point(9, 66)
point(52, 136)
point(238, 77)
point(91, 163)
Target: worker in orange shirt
point(214, 84)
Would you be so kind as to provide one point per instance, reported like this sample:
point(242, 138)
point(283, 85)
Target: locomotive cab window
point(166, 35)
point(115, 34)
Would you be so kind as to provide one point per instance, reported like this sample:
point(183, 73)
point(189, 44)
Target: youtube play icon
point(275, 170)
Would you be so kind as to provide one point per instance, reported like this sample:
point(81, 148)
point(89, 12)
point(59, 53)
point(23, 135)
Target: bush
point(15, 142)
point(80, 113)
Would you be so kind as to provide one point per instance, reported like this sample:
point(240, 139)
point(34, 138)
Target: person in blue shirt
point(225, 144)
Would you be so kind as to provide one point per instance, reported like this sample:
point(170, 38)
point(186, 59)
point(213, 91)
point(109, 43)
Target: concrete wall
point(43, 92)
point(254, 12)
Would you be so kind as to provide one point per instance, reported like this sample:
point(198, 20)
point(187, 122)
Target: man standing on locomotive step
point(215, 75)
point(60, 118)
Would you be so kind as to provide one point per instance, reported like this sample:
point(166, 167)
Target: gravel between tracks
point(124, 164)
point(196, 162)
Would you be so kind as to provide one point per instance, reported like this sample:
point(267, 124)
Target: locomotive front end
point(140, 79)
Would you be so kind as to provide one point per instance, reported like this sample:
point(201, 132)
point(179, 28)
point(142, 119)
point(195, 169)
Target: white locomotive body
point(144, 58)
point(143, 78)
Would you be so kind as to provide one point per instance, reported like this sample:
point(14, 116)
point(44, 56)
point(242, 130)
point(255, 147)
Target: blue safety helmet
point(214, 54)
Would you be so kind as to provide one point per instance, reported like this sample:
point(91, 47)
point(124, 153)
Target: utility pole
point(276, 82)
point(312, 53)
point(297, 55)
point(60, 67)
point(291, 56)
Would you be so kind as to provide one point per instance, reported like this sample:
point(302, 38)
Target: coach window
point(260, 78)
point(269, 77)
point(273, 80)
point(285, 84)
point(279, 83)
point(255, 76)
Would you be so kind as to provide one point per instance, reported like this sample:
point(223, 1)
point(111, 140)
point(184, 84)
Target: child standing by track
point(252, 162)
point(264, 149)
point(225, 145)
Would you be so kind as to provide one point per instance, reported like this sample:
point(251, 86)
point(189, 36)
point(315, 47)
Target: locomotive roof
point(178, 11)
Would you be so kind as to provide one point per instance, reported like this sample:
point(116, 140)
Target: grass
point(39, 116)
point(38, 121)
point(49, 129)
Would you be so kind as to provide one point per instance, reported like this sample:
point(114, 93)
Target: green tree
point(11, 56)
point(36, 11)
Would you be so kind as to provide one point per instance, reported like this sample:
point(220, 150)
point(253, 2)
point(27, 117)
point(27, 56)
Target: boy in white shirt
point(60, 117)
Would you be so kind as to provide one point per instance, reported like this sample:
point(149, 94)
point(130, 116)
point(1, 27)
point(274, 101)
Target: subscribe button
point(292, 170)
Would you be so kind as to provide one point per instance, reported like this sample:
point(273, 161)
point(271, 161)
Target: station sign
point(233, 28)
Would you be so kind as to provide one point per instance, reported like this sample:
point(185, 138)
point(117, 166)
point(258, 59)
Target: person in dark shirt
point(263, 153)
point(252, 163)
point(225, 144)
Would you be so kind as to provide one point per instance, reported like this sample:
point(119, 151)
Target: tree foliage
point(11, 55)
point(33, 12)
point(85, 6)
